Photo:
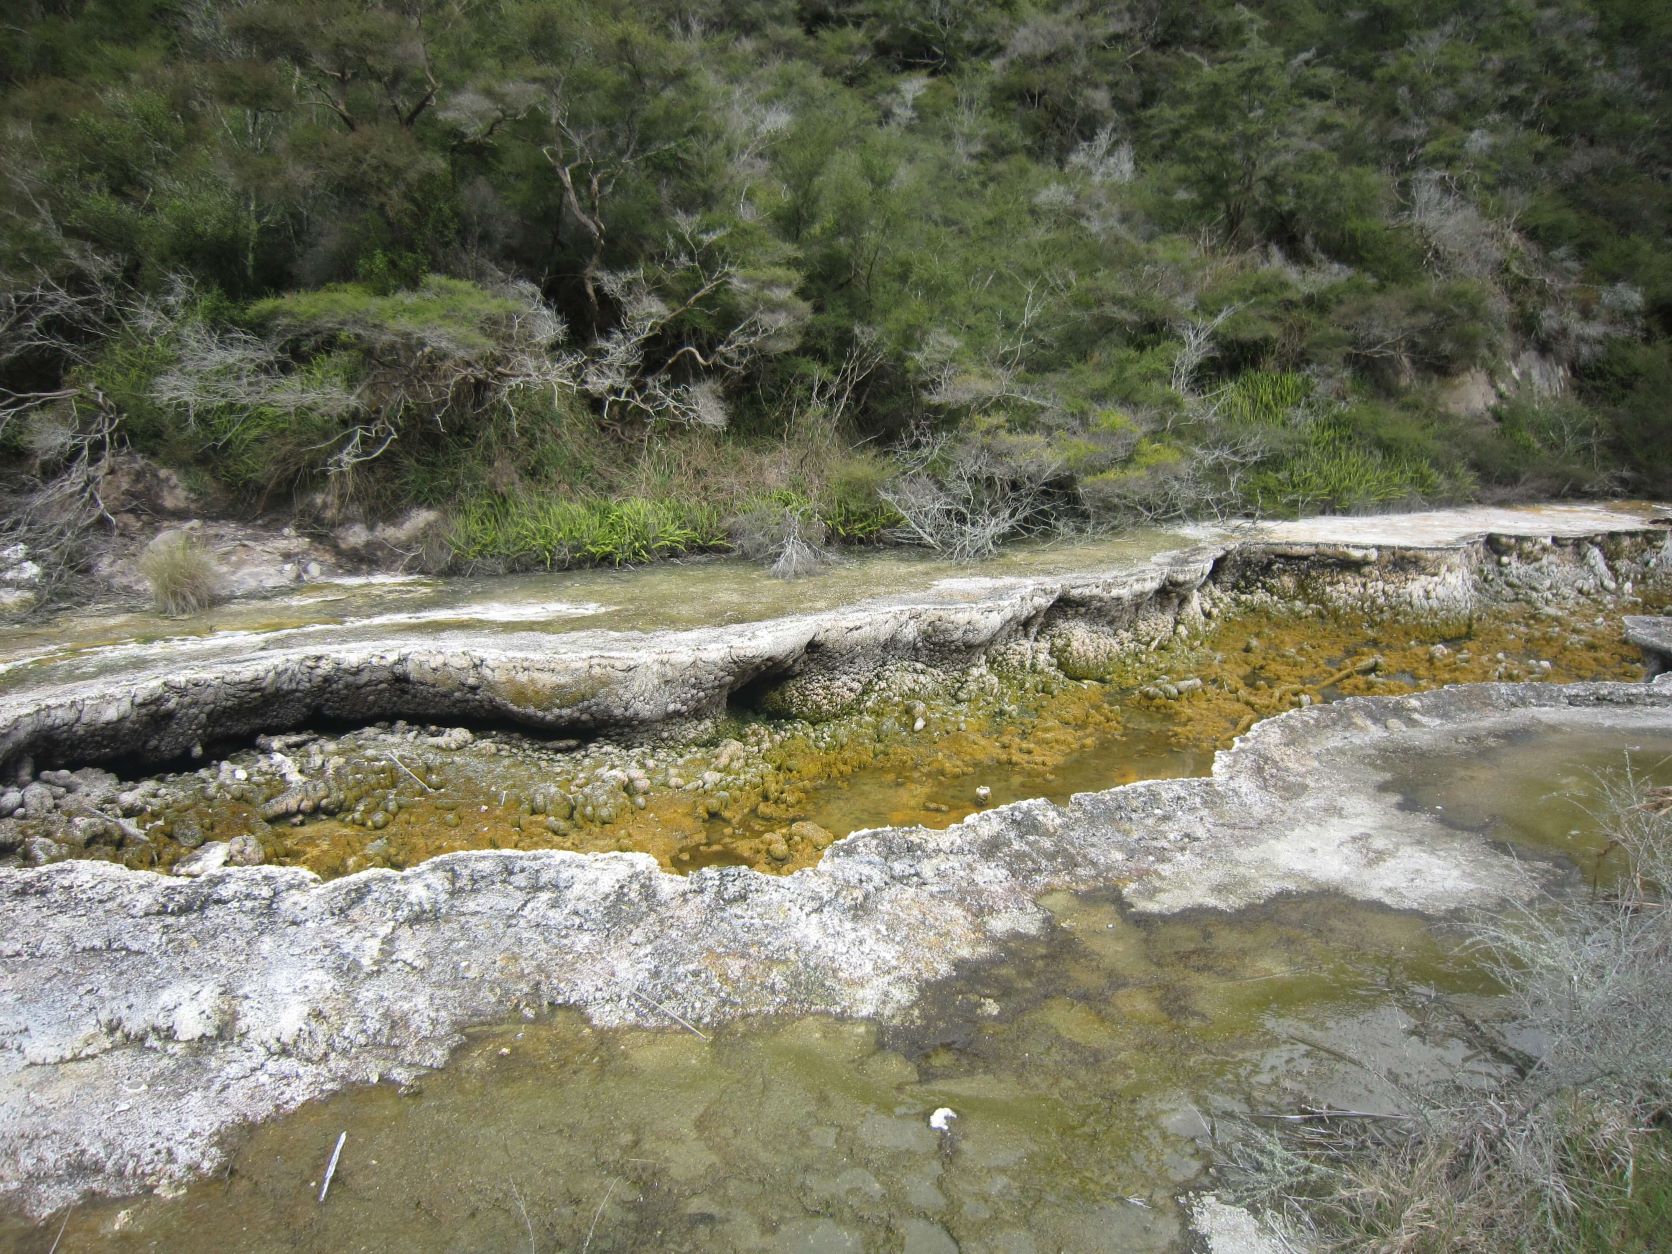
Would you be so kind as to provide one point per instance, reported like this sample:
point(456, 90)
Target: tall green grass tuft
point(1263, 398)
point(1344, 477)
point(1331, 462)
point(183, 578)
point(525, 531)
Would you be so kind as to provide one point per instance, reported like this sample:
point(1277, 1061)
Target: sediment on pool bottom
point(925, 746)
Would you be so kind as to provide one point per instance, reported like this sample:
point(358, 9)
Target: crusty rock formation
point(1443, 564)
point(1654, 637)
point(143, 1016)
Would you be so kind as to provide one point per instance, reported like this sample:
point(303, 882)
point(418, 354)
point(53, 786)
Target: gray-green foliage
point(1029, 214)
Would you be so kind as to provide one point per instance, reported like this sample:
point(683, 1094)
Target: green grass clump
point(1337, 461)
point(453, 311)
point(1263, 398)
point(1344, 477)
point(183, 578)
point(851, 505)
point(525, 531)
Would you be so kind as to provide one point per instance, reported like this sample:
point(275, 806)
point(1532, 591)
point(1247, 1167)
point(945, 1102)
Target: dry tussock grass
point(1571, 1147)
point(183, 578)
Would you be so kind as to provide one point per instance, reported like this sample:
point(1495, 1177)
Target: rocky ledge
point(142, 1017)
point(1654, 637)
point(1440, 565)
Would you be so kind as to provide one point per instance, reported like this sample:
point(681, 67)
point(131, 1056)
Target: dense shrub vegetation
point(602, 277)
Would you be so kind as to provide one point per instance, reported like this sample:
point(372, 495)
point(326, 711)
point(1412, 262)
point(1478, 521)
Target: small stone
point(79, 832)
point(212, 857)
point(186, 832)
point(921, 1236)
point(983, 794)
point(38, 801)
point(39, 850)
point(777, 850)
point(245, 850)
point(812, 833)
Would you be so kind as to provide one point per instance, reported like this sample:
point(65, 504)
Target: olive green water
point(1538, 792)
point(670, 595)
point(1087, 1066)
point(938, 794)
point(1081, 1069)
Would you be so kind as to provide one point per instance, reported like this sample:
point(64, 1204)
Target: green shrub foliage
point(506, 256)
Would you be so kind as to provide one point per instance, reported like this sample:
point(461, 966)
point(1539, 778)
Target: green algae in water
point(1144, 748)
point(1537, 791)
point(1082, 1066)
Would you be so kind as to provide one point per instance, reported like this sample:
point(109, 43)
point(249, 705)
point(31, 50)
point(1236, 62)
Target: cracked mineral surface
point(189, 1004)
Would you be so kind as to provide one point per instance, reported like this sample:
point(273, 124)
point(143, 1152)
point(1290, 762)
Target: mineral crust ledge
point(143, 1017)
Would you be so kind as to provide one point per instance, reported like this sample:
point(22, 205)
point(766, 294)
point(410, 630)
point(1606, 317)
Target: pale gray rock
point(106, 998)
point(814, 665)
point(1652, 635)
point(211, 857)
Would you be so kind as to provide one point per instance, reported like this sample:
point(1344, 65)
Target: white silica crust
point(138, 704)
point(141, 1015)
